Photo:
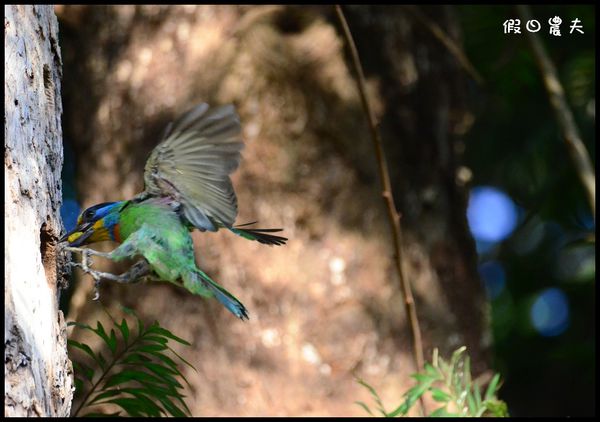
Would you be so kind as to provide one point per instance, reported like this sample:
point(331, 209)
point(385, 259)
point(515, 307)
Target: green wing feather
point(193, 163)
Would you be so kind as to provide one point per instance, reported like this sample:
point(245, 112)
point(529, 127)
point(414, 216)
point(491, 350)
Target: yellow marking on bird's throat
point(74, 237)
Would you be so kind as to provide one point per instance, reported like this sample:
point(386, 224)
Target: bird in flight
point(187, 187)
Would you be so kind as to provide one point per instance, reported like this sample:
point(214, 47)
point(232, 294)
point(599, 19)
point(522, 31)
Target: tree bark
point(37, 371)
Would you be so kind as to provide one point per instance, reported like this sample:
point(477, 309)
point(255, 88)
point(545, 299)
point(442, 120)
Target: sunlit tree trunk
point(37, 371)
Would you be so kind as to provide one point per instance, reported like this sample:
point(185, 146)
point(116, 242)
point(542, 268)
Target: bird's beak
point(78, 235)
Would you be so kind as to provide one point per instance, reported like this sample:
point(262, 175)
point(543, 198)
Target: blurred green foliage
point(449, 384)
point(138, 375)
point(516, 145)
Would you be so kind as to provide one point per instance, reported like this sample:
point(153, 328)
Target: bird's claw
point(96, 290)
point(85, 264)
point(86, 252)
point(135, 273)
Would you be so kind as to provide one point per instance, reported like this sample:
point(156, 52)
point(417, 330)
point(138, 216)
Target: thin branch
point(448, 42)
point(564, 116)
point(394, 218)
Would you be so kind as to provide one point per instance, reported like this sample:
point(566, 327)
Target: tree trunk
point(37, 371)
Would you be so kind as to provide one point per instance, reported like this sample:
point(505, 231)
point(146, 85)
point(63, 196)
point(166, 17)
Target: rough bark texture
point(326, 306)
point(37, 371)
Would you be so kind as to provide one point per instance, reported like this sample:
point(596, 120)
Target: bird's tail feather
point(260, 235)
point(227, 299)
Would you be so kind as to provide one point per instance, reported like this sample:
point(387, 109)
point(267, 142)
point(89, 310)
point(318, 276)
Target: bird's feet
point(85, 264)
point(87, 252)
point(135, 273)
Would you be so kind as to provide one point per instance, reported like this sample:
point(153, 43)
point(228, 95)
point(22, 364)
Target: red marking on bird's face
point(117, 232)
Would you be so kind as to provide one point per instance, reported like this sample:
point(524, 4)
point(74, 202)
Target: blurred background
point(498, 235)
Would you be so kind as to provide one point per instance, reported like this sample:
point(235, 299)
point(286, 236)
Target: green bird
point(187, 187)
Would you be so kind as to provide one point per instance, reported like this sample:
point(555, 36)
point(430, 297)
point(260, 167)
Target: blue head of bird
point(95, 224)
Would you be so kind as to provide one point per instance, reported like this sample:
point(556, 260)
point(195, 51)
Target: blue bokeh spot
point(494, 278)
point(550, 312)
point(492, 215)
point(69, 211)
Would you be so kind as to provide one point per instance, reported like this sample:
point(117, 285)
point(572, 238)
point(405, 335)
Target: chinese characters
point(513, 26)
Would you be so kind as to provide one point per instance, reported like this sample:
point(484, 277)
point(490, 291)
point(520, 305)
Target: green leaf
point(159, 369)
point(132, 406)
point(364, 406)
point(140, 326)
point(457, 354)
point(171, 407)
point(113, 341)
point(135, 358)
point(164, 358)
point(78, 385)
point(432, 371)
point(155, 339)
point(166, 333)
point(182, 359)
point(467, 373)
point(450, 376)
point(88, 351)
point(400, 410)
point(443, 366)
point(124, 328)
point(130, 375)
point(416, 392)
point(128, 311)
point(413, 395)
point(477, 394)
point(147, 348)
point(162, 372)
point(110, 341)
point(462, 397)
point(491, 390)
point(442, 411)
point(374, 395)
point(149, 407)
point(497, 408)
point(440, 395)
point(480, 412)
point(422, 377)
point(180, 400)
point(103, 395)
point(471, 404)
point(101, 415)
point(102, 360)
point(83, 369)
point(168, 361)
point(163, 390)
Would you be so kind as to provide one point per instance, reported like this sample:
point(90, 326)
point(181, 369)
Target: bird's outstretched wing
point(193, 162)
